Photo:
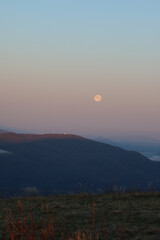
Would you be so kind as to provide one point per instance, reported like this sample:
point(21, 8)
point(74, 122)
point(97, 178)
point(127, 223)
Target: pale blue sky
point(56, 55)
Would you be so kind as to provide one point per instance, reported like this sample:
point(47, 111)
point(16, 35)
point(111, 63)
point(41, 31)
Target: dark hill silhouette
point(69, 163)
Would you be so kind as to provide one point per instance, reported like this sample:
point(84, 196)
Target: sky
point(55, 56)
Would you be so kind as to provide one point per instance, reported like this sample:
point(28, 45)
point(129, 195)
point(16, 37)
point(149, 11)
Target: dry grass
point(81, 217)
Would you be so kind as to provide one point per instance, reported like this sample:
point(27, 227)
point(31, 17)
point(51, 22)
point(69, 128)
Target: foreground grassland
point(82, 216)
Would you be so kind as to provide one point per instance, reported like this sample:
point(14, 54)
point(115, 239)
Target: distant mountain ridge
point(2, 131)
point(21, 138)
point(149, 147)
point(69, 163)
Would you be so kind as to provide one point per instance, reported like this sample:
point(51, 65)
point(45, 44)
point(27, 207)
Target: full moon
point(97, 98)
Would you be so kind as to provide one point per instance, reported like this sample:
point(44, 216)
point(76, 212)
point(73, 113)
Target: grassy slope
point(137, 213)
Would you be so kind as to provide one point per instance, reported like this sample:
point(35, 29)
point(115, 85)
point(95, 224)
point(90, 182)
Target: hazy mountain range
point(57, 163)
point(149, 147)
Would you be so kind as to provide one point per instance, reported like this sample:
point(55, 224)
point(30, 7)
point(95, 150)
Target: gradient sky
point(56, 55)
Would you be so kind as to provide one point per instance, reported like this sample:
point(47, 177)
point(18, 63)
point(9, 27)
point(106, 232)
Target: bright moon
point(97, 98)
